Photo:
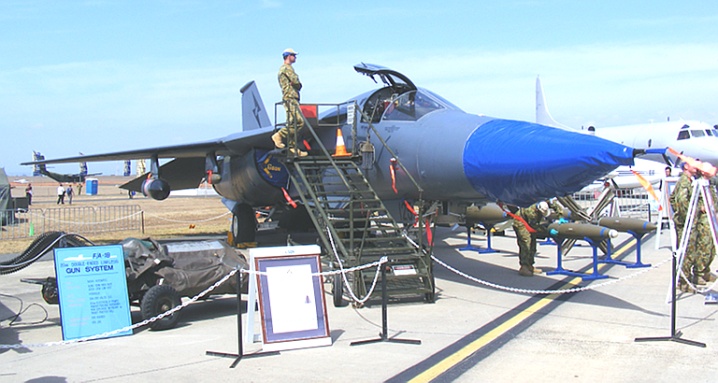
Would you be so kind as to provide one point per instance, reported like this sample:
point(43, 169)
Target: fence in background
point(84, 220)
point(628, 203)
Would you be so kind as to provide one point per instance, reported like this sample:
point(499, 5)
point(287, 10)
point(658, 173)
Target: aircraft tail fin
point(254, 114)
point(543, 116)
point(39, 168)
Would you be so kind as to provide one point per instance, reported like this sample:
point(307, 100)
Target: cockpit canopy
point(398, 100)
point(686, 132)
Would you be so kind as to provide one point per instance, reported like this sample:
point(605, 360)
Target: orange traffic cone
point(340, 150)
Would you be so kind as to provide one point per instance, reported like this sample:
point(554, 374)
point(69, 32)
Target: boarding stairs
point(356, 228)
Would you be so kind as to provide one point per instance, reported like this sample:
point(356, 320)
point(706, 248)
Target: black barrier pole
point(675, 336)
point(384, 326)
point(240, 353)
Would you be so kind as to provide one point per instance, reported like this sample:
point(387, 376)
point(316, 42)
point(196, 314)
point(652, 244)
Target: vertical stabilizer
point(254, 114)
point(543, 116)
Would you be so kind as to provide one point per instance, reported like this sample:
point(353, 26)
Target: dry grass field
point(175, 216)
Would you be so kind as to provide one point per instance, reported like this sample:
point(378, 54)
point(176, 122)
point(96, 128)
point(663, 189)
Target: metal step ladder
point(356, 228)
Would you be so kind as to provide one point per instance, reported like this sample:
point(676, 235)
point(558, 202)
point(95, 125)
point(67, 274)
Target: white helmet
point(543, 208)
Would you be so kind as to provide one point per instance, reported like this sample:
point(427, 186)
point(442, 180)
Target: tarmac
point(488, 324)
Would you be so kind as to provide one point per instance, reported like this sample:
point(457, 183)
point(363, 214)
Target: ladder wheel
point(338, 291)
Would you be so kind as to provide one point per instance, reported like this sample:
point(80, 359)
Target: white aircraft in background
point(693, 138)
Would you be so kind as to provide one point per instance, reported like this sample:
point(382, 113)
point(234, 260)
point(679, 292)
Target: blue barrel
point(91, 186)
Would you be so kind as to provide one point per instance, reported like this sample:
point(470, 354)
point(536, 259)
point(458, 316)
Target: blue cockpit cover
point(516, 162)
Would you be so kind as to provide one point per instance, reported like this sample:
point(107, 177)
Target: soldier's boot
point(536, 270)
point(526, 271)
point(298, 152)
point(684, 286)
point(709, 277)
point(277, 138)
point(699, 280)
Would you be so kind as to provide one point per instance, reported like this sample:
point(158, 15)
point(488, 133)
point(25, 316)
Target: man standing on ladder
point(290, 84)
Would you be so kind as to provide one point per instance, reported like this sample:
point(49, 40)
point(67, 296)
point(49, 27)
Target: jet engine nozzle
point(156, 188)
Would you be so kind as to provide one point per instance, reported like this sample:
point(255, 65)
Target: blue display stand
point(628, 265)
point(586, 277)
point(470, 247)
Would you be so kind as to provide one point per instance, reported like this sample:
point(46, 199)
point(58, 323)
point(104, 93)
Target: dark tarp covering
point(5, 197)
point(189, 267)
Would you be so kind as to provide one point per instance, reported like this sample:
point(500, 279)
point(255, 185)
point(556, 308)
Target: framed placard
point(92, 290)
point(291, 297)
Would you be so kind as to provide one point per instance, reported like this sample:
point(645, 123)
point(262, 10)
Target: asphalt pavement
point(488, 324)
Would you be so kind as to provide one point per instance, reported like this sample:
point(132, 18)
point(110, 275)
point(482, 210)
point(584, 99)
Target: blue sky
point(103, 75)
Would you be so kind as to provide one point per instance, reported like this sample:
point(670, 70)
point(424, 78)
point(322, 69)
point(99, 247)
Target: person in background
point(69, 193)
point(28, 194)
point(60, 194)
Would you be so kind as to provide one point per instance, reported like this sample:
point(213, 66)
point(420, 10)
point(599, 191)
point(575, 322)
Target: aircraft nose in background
point(520, 162)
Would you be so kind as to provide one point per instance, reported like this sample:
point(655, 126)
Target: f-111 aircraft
point(455, 157)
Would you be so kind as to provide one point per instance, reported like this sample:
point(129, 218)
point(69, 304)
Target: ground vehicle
point(159, 275)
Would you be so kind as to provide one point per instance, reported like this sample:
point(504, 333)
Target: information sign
point(92, 289)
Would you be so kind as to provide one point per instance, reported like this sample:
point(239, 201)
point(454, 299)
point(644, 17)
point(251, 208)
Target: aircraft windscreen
point(411, 106)
point(683, 135)
point(697, 133)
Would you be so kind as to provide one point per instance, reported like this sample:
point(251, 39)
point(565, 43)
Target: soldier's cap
point(289, 51)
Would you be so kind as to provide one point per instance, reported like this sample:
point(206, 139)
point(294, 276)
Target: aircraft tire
point(244, 224)
point(158, 299)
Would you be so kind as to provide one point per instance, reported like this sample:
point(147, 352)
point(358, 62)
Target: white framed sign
point(292, 306)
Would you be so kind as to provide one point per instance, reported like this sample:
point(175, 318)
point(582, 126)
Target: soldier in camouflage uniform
point(700, 250)
point(680, 197)
point(290, 84)
point(701, 243)
point(527, 240)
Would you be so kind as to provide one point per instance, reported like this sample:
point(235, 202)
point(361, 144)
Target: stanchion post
point(675, 335)
point(383, 337)
point(240, 347)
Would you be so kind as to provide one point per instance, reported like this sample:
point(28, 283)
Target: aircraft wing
point(181, 173)
point(238, 143)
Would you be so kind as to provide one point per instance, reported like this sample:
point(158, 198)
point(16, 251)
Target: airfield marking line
point(455, 358)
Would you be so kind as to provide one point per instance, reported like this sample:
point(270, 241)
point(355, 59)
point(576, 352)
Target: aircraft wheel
point(244, 224)
point(159, 299)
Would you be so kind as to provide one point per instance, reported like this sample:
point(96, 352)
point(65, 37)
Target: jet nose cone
point(520, 162)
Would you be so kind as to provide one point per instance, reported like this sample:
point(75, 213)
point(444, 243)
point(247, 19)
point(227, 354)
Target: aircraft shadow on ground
point(508, 277)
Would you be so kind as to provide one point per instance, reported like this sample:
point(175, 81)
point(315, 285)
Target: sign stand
point(240, 353)
point(675, 335)
point(384, 327)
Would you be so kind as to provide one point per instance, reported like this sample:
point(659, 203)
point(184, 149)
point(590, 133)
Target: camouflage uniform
point(290, 84)
point(680, 198)
point(526, 240)
point(701, 250)
point(700, 243)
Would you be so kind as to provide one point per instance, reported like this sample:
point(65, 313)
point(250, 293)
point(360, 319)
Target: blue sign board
point(92, 288)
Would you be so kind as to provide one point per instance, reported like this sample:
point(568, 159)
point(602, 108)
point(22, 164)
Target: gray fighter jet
point(454, 157)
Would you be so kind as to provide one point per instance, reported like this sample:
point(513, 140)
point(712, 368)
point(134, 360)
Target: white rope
point(191, 221)
point(126, 328)
point(344, 276)
point(534, 292)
